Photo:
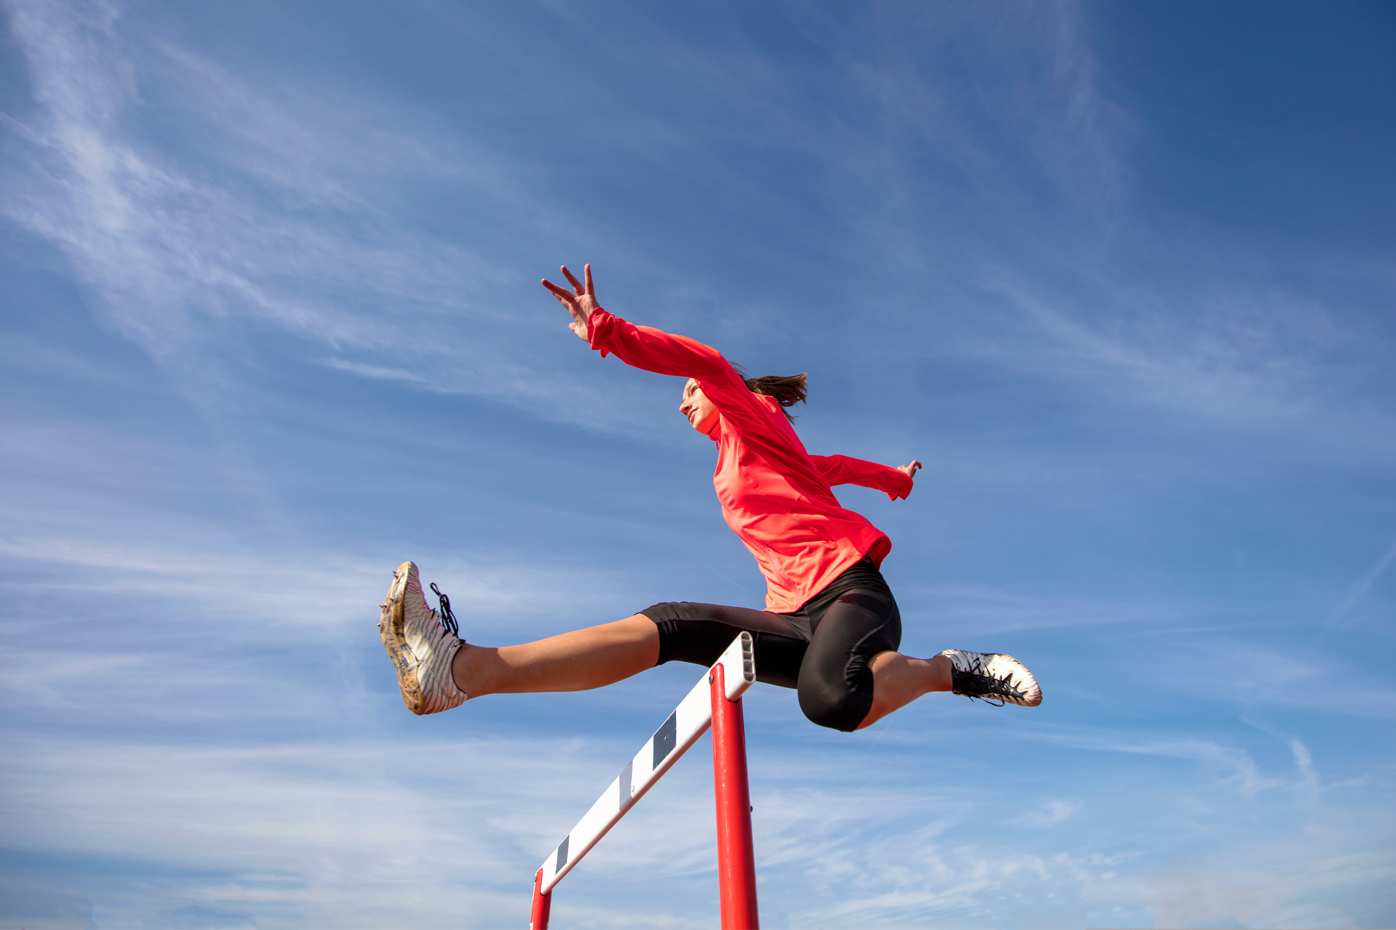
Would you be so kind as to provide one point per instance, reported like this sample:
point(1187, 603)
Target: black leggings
point(822, 649)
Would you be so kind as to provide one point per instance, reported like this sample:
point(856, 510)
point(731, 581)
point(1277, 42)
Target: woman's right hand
point(579, 304)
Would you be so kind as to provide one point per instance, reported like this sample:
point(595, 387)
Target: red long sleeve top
point(775, 496)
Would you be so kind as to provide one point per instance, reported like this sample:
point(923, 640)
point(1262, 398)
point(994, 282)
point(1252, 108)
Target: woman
point(830, 628)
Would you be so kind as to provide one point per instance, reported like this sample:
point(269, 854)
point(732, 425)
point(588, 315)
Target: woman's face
point(697, 408)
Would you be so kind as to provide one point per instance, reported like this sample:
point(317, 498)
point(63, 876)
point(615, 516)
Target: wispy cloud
point(1263, 893)
point(334, 831)
point(1054, 812)
point(375, 371)
point(1292, 677)
point(1361, 586)
point(1245, 356)
point(190, 262)
point(1235, 766)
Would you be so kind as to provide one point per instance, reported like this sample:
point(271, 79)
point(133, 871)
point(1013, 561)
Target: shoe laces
point(975, 685)
point(445, 617)
point(983, 684)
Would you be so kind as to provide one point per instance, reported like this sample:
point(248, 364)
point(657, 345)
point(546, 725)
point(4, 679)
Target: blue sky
point(1120, 275)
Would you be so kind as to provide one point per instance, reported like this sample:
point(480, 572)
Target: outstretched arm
point(844, 469)
point(641, 346)
point(653, 349)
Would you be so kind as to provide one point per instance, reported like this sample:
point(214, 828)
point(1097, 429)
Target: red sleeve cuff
point(901, 485)
point(595, 324)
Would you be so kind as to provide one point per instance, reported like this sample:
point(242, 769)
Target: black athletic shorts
point(822, 649)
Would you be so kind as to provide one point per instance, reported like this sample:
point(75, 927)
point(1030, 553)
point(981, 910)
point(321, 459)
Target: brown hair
point(788, 390)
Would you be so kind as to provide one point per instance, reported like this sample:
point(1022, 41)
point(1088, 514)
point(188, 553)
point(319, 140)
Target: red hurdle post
point(736, 861)
point(542, 903)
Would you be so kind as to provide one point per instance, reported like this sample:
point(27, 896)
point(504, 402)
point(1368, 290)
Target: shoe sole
point(390, 628)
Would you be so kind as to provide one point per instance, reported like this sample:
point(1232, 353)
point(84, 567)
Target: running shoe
point(421, 642)
point(992, 677)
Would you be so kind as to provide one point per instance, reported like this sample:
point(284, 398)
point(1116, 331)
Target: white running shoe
point(420, 644)
point(992, 676)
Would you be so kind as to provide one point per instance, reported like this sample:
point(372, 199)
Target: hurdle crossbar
point(726, 681)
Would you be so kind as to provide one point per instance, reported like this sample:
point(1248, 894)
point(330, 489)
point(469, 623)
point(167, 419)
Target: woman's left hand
point(910, 470)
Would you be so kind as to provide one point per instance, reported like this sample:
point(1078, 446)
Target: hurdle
point(715, 701)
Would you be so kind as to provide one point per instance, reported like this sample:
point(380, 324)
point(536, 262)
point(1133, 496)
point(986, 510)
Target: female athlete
point(830, 629)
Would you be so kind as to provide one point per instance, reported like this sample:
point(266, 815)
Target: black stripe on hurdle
point(665, 738)
point(562, 854)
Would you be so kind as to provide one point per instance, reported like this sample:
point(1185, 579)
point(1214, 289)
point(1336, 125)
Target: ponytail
point(788, 390)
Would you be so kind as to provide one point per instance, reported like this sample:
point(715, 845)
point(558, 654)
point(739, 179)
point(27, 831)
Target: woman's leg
point(436, 670)
point(601, 655)
point(577, 661)
point(898, 680)
point(852, 674)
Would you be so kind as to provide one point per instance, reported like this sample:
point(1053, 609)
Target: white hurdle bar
point(720, 690)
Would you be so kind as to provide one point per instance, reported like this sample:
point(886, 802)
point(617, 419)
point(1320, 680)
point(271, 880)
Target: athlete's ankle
point(942, 670)
point(463, 670)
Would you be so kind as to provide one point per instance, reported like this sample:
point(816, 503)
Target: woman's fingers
point(562, 294)
point(577, 285)
point(586, 273)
